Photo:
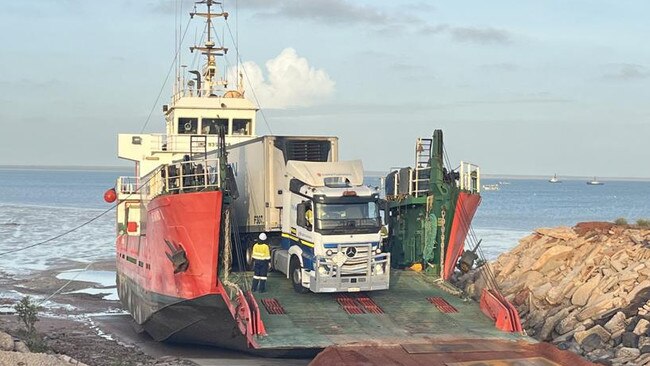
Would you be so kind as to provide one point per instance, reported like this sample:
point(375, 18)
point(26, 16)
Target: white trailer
point(322, 222)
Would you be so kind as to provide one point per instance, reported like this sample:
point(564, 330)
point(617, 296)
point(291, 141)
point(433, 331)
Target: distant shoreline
point(74, 168)
point(506, 177)
point(370, 173)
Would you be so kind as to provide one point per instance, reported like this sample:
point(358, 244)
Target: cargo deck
point(406, 313)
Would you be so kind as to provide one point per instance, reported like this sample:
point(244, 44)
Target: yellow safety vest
point(261, 252)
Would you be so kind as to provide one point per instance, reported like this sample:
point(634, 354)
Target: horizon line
point(368, 173)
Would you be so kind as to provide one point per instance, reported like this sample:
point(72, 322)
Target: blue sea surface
point(523, 205)
point(36, 205)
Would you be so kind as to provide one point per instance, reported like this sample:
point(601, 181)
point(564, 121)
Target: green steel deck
point(317, 320)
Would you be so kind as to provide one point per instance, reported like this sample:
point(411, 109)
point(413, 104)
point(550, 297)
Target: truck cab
point(331, 229)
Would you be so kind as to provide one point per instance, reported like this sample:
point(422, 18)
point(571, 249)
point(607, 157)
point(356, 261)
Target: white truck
point(323, 224)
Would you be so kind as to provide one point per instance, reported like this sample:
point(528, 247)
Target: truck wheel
point(249, 257)
point(295, 272)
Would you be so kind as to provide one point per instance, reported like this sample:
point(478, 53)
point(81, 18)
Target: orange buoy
point(110, 195)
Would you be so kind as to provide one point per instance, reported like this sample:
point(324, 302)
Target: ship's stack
point(585, 288)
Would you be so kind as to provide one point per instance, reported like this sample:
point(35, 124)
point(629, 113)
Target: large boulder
point(562, 233)
point(598, 309)
point(20, 346)
point(629, 339)
point(627, 353)
point(6, 342)
point(641, 327)
point(582, 294)
point(644, 344)
point(552, 257)
point(616, 323)
point(550, 323)
point(598, 330)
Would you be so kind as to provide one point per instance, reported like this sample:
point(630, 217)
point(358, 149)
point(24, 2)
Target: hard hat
point(262, 236)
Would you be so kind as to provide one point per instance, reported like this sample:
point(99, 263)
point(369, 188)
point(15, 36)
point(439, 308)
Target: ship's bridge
point(193, 115)
point(192, 125)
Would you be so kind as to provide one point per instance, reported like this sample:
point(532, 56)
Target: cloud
point(480, 35)
point(516, 101)
point(627, 72)
point(387, 22)
point(332, 11)
point(289, 82)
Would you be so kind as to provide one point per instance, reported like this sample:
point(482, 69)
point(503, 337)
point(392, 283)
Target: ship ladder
point(420, 179)
point(199, 147)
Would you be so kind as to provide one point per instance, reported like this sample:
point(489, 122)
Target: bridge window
point(241, 126)
point(210, 126)
point(188, 125)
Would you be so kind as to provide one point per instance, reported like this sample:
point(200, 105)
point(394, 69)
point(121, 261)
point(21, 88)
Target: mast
point(209, 75)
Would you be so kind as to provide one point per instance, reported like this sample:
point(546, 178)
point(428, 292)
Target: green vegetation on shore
point(642, 223)
point(27, 312)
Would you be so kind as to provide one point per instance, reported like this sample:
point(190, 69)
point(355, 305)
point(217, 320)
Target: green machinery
point(421, 206)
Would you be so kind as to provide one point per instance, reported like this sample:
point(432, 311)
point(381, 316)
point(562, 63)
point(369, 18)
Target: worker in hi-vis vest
point(261, 258)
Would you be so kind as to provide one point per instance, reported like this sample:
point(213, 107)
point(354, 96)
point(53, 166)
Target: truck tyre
point(295, 272)
point(249, 257)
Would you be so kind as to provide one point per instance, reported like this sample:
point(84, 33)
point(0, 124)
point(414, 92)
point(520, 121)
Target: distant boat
point(595, 182)
point(490, 187)
point(554, 179)
point(504, 183)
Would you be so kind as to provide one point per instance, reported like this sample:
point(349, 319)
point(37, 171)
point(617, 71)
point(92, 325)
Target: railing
point(420, 181)
point(470, 177)
point(162, 142)
point(127, 185)
point(181, 177)
point(188, 176)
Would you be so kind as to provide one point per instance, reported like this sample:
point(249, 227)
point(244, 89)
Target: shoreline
point(96, 331)
point(369, 173)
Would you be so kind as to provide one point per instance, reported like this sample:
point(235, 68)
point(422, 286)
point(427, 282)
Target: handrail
point(190, 176)
point(127, 185)
point(470, 177)
point(180, 177)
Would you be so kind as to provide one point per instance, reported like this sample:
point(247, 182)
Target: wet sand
point(97, 331)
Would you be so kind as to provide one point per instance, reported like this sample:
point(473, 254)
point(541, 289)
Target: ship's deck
point(318, 320)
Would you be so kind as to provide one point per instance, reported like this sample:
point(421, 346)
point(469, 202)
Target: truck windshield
point(347, 218)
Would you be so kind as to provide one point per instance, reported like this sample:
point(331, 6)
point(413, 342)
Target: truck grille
point(358, 264)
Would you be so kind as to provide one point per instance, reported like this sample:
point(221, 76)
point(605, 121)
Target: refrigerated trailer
point(322, 222)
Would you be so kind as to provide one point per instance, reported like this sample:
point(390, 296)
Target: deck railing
point(191, 176)
point(174, 178)
point(470, 177)
point(127, 185)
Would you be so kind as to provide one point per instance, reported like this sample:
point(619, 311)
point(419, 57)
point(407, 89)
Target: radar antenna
point(210, 50)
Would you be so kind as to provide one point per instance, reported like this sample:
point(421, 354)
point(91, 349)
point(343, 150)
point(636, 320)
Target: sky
point(519, 87)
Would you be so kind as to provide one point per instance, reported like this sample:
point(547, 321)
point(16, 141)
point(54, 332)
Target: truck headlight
point(378, 251)
point(379, 269)
point(329, 252)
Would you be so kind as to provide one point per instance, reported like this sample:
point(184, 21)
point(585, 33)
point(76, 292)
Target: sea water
point(36, 205)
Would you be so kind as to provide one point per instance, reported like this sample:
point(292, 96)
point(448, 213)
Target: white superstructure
point(201, 104)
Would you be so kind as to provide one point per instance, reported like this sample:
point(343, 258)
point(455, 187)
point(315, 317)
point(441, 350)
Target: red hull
point(465, 209)
point(190, 305)
point(190, 222)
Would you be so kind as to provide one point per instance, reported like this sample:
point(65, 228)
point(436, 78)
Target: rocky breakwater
point(16, 352)
point(586, 289)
